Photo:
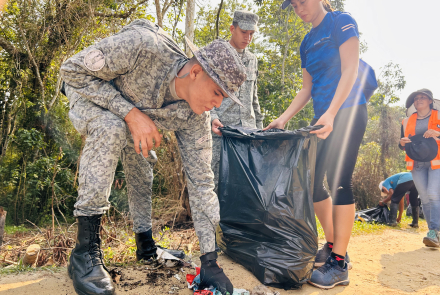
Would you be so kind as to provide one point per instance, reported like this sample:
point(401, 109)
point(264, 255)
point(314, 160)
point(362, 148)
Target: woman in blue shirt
point(330, 61)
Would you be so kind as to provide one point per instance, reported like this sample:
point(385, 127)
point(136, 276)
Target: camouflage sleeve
point(89, 72)
point(214, 115)
point(259, 117)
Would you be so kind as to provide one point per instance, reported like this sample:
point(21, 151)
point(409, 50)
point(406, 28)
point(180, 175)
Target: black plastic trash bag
point(267, 220)
point(379, 214)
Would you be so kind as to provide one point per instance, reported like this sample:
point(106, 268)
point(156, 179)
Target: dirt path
point(394, 262)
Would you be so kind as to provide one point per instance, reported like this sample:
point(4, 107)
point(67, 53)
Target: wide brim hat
point(222, 64)
point(421, 149)
point(411, 109)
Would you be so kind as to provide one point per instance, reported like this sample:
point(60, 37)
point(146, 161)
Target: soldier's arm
point(259, 117)
point(90, 71)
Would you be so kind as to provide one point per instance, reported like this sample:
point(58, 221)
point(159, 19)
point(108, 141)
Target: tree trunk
point(2, 224)
point(158, 13)
point(31, 255)
point(189, 23)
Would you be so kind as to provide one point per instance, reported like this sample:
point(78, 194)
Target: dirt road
point(394, 262)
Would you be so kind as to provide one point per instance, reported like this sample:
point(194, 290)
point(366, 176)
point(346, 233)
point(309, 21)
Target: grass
point(13, 229)
point(21, 268)
point(122, 254)
point(367, 228)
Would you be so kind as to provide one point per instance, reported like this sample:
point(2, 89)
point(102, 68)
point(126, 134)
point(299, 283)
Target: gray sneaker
point(432, 239)
point(324, 253)
point(330, 275)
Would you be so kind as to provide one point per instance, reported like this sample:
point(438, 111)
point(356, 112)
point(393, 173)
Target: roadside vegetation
point(40, 149)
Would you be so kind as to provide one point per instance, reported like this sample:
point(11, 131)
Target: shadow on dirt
point(411, 271)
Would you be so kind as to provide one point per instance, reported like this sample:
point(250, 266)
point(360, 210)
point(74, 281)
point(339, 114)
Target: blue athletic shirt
point(396, 179)
point(320, 57)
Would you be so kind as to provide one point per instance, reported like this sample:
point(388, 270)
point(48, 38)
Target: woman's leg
point(348, 131)
point(322, 202)
point(420, 177)
point(433, 191)
point(323, 211)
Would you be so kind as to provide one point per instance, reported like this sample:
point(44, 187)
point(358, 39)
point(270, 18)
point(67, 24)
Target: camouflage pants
point(108, 137)
point(215, 164)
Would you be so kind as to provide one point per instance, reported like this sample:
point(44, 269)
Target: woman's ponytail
point(327, 5)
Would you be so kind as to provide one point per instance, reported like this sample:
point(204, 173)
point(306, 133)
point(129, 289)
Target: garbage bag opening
point(267, 221)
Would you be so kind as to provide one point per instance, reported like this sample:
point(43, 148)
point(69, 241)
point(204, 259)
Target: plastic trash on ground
point(267, 222)
point(194, 281)
point(379, 214)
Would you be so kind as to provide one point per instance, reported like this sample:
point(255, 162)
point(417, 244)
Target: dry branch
point(37, 70)
point(8, 47)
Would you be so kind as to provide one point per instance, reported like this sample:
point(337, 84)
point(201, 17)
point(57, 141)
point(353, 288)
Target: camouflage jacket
point(132, 68)
point(250, 115)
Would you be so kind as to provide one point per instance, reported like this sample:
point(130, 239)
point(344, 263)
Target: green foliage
point(39, 148)
point(390, 81)
point(12, 229)
point(280, 73)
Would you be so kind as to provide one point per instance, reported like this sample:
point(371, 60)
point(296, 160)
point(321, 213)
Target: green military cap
point(246, 20)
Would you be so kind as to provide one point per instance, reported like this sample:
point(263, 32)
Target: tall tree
point(189, 23)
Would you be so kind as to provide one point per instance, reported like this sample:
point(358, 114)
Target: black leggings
point(401, 190)
point(337, 154)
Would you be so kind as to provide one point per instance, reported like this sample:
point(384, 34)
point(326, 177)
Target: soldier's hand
point(143, 130)
point(215, 125)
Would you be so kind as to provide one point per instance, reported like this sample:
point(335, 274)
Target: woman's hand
point(404, 140)
point(327, 120)
point(276, 124)
point(431, 133)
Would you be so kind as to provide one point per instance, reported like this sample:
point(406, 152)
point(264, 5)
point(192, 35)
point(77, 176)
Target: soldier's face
point(204, 94)
point(241, 38)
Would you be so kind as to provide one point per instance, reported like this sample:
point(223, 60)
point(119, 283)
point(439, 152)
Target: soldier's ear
point(196, 71)
point(231, 28)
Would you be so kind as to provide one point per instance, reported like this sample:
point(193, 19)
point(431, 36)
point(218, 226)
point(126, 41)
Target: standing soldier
point(243, 27)
point(121, 91)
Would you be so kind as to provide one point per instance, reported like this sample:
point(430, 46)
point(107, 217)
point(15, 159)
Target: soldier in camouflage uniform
point(121, 91)
point(244, 24)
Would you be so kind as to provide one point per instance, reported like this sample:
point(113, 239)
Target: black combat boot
point(415, 216)
point(212, 275)
point(146, 248)
point(86, 268)
point(393, 214)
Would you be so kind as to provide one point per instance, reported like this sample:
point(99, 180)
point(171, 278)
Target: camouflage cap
point(246, 20)
point(222, 63)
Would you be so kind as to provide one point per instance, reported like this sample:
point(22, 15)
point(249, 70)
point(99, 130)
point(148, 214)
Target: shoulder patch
point(94, 60)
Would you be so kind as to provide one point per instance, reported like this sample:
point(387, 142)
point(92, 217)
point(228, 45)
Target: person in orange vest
point(420, 140)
